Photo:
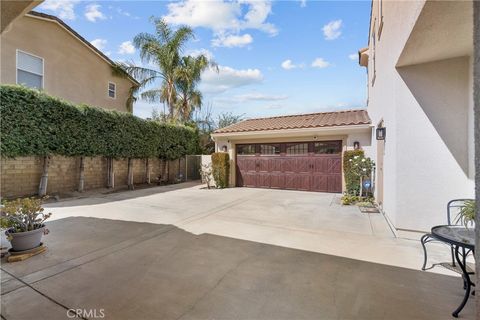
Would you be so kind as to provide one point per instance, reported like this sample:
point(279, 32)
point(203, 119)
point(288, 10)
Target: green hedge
point(36, 124)
point(221, 169)
point(352, 180)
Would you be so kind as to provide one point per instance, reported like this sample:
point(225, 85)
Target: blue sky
point(275, 58)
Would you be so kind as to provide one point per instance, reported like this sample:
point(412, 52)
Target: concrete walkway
point(302, 220)
point(116, 269)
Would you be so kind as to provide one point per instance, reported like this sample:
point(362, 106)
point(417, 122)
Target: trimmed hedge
point(36, 124)
point(221, 169)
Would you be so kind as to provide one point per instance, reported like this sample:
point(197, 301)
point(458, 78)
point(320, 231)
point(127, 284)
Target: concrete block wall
point(21, 176)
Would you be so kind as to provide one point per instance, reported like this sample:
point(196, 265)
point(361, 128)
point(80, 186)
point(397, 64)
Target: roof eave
point(326, 129)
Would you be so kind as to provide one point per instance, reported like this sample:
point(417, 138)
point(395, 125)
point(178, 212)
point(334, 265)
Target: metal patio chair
point(453, 208)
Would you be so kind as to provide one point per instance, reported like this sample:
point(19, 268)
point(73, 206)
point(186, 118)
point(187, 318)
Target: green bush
point(221, 169)
point(36, 124)
point(349, 199)
point(352, 180)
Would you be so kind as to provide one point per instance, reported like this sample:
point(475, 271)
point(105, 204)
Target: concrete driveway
point(104, 265)
point(295, 219)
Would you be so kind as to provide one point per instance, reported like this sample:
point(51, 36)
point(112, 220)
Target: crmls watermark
point(86, 313)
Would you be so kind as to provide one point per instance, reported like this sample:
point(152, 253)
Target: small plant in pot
point(24, 220)
point(466, 215)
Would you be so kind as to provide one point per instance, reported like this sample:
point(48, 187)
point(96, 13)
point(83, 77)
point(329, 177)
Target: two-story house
point(419, 63)
point(41, 51)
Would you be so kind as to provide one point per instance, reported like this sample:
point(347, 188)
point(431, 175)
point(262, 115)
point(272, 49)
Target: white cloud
point(99, 43)
point(126, 48)
point(252, 97)
point(303, 3)
point(228, 78)
point(320, 63)
point(225, 18)
point(64, 9)
point(232, 41)
point(353, 56)
point(260, 97)
point(288, 65)
point(331, 30)
point(196, 52)
point(93, 13)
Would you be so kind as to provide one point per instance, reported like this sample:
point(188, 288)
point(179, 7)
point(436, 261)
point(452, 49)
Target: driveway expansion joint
point(40, 293)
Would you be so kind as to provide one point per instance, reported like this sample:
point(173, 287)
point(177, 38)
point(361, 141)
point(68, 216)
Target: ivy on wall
point(36, 124)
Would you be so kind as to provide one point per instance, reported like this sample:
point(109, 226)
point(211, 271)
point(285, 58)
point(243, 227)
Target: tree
point(162, 49)
point(188, 75)
point(227, 119)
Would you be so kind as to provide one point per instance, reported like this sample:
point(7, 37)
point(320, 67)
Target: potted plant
point(24, 220)
point(466, 214)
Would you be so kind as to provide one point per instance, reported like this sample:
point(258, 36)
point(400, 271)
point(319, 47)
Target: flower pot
point(22, 241)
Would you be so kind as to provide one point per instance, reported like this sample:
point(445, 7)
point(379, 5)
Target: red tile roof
point(312, 120)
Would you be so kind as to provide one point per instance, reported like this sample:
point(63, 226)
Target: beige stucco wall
point(422, 91)
point(72, 71)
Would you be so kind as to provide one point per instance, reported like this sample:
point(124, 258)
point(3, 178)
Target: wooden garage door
point(309, 166)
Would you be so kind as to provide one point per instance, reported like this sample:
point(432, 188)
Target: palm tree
point(162, 49)
point(187, 75)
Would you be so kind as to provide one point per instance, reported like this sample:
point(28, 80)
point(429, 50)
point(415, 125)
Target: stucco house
point(42, 51)
point(296, 152)
point(419, 64)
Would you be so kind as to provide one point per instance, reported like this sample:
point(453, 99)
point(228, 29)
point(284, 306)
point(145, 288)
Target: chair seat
point(456, 268)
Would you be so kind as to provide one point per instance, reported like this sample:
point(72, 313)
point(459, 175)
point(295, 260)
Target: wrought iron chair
point(453, 208)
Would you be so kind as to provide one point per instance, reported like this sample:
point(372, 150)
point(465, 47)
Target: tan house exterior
point(44, 51)
point(419, 64)
point(296, 152)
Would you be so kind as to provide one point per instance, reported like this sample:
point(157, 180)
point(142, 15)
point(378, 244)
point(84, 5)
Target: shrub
point(36, 124)
point(355, 166)
point(221, 169)
point(349, 199)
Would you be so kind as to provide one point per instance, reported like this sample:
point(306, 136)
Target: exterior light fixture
point(381, 133)
point(224, 148)
point(356, 145)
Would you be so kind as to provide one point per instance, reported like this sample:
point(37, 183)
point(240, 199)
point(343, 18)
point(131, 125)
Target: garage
point(308, 166)
point(296, 152)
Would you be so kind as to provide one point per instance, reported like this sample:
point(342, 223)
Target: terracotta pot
point(22, 241)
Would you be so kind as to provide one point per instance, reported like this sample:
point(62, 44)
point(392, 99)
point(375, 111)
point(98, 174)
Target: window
point(327, 147)
point(111, 90)
point(297, 148)
point(29, 70)
point(244, 150)
point(270, 149)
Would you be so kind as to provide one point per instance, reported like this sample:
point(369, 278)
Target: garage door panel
point(288, 164)
point(320, 183)
point(314, 171)
point(249, 179)
point(275, 164)
point(302, 165)
point(263, 180)
point(277, 181)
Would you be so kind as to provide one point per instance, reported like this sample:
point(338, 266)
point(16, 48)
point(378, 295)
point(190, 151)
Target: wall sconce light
point(224, 148)
point(356, 145)
point(381, 133)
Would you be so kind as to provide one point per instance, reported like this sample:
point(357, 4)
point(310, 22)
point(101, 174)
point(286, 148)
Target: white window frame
point(17, 68)
point(114, 91)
